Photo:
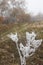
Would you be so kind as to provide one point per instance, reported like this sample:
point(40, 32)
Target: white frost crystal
point(30, 36)
point(30, 47)
point(36, 43)
point(13, 37)
point(25, 50)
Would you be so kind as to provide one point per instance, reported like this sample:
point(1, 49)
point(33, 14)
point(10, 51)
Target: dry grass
point(8, 51)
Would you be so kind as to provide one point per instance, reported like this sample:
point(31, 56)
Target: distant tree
point(24, 18)
point(7, 6)
point(14, 11)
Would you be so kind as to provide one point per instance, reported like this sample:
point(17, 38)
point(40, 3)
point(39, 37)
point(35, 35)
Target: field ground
point(8, 51)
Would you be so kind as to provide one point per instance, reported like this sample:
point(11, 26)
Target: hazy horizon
point(34, 6)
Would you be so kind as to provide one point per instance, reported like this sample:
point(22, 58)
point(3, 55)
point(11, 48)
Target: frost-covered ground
point(8, 51)
point(30, 47)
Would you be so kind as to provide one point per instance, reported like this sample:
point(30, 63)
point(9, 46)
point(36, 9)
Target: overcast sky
point(35, 6)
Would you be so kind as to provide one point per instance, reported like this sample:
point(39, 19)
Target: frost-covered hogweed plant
point(30, 47)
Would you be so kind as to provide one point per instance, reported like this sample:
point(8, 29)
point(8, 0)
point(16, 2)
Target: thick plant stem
point(22, 59)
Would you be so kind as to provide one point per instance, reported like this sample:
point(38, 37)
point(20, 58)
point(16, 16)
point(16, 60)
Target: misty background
point(14, 10)
point(20, 16)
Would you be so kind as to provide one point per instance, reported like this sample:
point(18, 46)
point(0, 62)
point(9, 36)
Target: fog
point(34, 6)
